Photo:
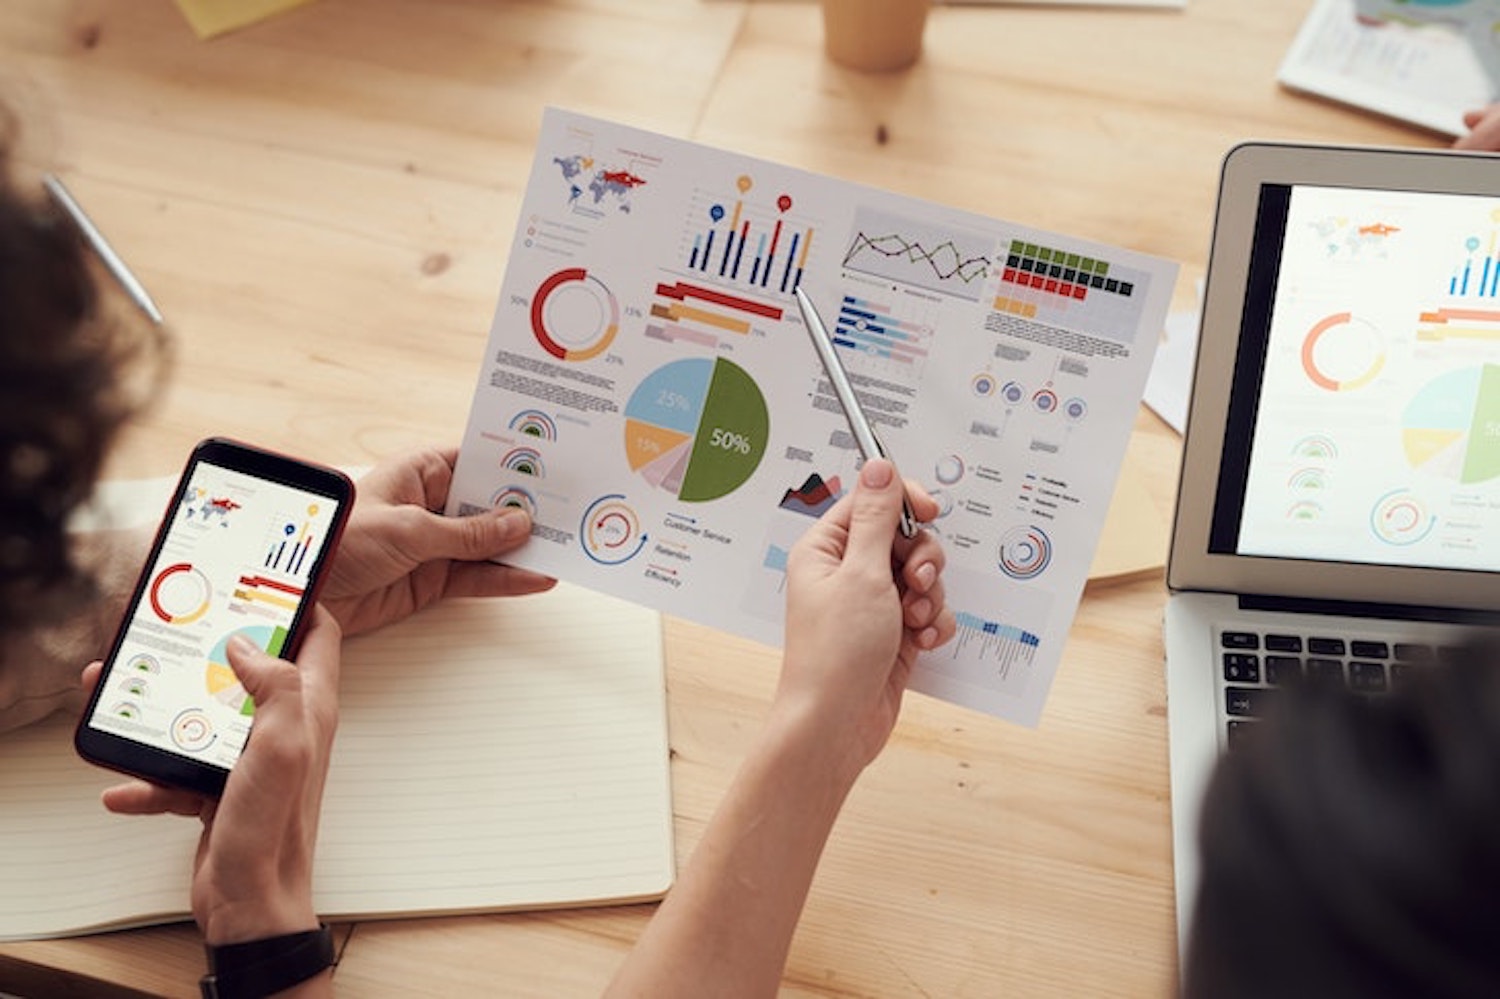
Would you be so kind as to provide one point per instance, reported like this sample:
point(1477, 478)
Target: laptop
point(1338, 519)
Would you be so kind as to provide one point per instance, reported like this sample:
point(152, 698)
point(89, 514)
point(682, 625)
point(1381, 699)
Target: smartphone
point(241, 550)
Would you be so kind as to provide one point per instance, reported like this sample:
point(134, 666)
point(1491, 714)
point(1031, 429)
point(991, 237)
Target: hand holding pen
point(859, 422)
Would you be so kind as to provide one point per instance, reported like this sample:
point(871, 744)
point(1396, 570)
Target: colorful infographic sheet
point(650, 395)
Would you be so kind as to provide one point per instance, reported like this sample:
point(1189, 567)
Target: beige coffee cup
point(875, 36)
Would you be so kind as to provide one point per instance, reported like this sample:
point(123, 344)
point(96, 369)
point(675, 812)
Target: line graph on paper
point(910, 251)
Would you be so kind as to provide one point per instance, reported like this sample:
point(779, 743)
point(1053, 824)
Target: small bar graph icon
point(289, 553)
point(1478, 276)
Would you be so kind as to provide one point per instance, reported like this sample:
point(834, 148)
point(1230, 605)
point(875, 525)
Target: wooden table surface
point(321, 205)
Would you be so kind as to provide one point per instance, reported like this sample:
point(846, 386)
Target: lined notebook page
point(68, 865)
point(491, 754)
point(500, 754)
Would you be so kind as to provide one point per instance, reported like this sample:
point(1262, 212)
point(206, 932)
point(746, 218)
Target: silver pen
point(112, 260)
point(859, 423)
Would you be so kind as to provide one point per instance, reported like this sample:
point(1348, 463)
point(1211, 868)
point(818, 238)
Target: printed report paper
point(650, 396)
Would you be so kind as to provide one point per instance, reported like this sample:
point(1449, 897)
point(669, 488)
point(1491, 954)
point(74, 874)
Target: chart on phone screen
point(234, 561)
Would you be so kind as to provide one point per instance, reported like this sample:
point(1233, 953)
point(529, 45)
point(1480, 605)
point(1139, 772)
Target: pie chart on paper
point(696, 428)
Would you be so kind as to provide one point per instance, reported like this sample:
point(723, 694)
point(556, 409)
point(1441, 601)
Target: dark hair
point(1353, 847)
point(65, 354)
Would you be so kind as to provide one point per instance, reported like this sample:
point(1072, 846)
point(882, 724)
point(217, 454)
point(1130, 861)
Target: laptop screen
point(1364, 422)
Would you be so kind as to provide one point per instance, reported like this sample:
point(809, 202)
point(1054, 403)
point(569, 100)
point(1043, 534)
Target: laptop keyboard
point(1257, 665)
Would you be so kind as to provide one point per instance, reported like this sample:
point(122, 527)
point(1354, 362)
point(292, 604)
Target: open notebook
point(491, 755)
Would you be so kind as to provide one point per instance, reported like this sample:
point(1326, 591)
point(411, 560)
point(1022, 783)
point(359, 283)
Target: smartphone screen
point(239, 552)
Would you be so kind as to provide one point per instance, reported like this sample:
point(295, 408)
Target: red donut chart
point(574, 316)
point(180, 594)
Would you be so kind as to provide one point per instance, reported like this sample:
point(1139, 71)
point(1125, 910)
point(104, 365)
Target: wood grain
point(322, 204)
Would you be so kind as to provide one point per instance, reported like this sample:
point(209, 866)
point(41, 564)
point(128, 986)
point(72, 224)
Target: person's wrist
point(813, 746)
point(227, 923)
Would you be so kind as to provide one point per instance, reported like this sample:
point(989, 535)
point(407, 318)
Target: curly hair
point(66, 351)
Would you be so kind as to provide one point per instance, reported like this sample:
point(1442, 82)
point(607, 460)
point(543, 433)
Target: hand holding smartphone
point(242, 550)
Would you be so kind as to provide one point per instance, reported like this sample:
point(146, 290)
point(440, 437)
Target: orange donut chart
point(1318, 377)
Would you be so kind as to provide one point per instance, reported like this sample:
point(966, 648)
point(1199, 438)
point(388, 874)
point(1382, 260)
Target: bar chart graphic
point(694, 313)
point(1005, 648)
point(749, 239)
point(291, 544)
point(913, 252)
point(873, 328)
point(262, 596)
point(1459, 324)
point(1477, 275)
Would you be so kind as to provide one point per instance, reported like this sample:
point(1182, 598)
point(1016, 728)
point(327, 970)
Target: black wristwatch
point(261, 968)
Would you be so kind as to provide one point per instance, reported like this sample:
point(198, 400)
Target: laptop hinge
point(1353, 608)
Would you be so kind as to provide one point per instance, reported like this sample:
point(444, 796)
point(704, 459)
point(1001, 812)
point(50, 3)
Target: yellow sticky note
point(215, 17)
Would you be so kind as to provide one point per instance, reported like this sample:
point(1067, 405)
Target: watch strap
point(259, 968)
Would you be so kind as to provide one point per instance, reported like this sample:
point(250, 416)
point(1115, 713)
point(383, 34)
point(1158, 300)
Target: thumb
point(255, 668)
point(90, 678)
point(316, 669)
point(875, 513)
point(469, 539)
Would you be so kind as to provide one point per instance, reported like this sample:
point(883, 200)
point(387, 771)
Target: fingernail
point(926, 575)
point(928, 638)
point(921, 609)
point(513, 521)
point(877, 473)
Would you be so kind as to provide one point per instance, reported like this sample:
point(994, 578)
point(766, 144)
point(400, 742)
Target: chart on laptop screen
point(1377, 436)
